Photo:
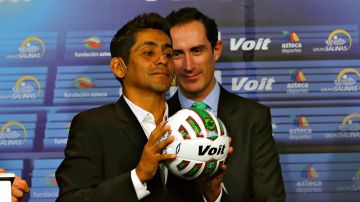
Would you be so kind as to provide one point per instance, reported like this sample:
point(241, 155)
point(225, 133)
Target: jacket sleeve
point(80, 176)
point(266, 174)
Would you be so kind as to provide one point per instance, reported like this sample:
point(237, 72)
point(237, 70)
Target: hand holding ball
point(201, 143)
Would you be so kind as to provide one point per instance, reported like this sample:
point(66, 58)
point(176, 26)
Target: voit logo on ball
point(338, 41)
point(13, 133)
point(299, 84)
point(310, 180)
point(302, 130)
point(346, 81)
point(293, 45)
point(31, 48)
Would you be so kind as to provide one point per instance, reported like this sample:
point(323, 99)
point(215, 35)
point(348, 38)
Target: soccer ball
point(201, 143)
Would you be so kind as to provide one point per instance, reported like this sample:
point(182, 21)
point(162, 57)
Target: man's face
point(194, 59)
point(150, 67)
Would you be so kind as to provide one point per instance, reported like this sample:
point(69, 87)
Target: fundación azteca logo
point(346, 81)
point(26, 87)
point(93, 43)
point(13, 133)
point(31, 48)
point(84, 83)
point(301, 131)
point(93, 48)
point(298, 84)
point(338, 40)
point(310, 180)
point(293, 45)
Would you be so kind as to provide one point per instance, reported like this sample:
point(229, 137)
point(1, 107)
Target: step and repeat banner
point(300, 58)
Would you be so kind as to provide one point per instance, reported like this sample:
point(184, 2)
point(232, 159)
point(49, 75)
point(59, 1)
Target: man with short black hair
point(252, 171)
point(114, 151)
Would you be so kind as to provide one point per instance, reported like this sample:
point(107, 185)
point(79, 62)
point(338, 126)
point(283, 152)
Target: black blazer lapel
point(130, 125)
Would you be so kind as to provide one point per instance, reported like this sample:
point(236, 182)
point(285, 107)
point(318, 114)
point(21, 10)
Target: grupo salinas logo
point(349, 127)
point(302, 130)
point(293, 44)
point(93, 43)
point(31, 48)
point(310, 180)
point(346, 81)
point(338, 40)
point(354, 186)
point(13, 133)
point(84, 83)
point(298, 84)
point(26, 87)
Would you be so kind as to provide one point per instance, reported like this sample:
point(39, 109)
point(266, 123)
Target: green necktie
point(200, 105)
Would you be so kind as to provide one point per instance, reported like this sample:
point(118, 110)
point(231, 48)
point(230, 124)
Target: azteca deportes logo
point(84, 83)
point(310, 182)
point(13, 133)
point(346, 81)
point(298, 86)
point(338, 40)
point(301, 130)
point(27, 87)
point(93, 43)
point(293, 45)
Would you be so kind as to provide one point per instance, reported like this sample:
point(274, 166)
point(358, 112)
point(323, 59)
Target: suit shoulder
point(97, 113)
point(246, 103)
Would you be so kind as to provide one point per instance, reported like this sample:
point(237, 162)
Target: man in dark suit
point(113, 152)
point(253, 171)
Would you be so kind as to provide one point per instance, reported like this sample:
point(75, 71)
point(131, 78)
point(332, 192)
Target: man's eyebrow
point(201, 46)
point(151, 43)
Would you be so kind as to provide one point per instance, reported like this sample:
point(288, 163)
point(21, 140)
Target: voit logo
point(26, 87)
point(310, 180)
point(93, 47)
point(13, 133)
point(31, 48)
point(261, 44)
point(293, 44)
point(338, 41)
point(299, 84)
point(248, 84)
point(302, 130)
point(346, 81)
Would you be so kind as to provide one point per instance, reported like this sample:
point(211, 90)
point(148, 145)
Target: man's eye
point(148, 53)
point(177, 54)
point(197, 51)
point(168, 55)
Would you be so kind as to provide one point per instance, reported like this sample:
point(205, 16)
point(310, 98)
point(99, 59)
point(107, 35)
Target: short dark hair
point(189, 14)
point(125, 38)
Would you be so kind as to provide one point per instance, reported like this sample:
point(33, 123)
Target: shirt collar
point(211, 100)
point(142, 114)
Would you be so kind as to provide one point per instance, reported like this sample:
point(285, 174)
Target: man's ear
point(118, 67)
point(218, 49)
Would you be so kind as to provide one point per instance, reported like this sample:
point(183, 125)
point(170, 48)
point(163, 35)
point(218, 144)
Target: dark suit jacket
point(104, 145)
point(254, 172)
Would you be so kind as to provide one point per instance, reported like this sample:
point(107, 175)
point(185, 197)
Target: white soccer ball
point(201, 143)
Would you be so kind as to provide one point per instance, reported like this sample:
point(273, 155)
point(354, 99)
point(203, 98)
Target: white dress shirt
point(147, 122)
